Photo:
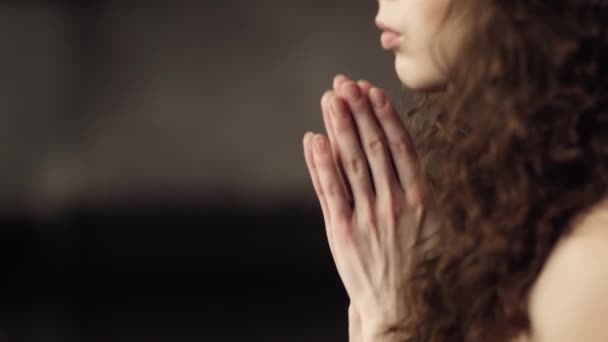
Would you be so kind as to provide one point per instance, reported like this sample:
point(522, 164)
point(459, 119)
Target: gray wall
point(189, 98)
point(200, 106)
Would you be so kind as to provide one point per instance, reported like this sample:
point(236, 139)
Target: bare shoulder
point(569, 301)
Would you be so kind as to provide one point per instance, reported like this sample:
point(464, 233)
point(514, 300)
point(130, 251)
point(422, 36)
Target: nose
point(378, 22)
point(380, 14)
point(381, 26)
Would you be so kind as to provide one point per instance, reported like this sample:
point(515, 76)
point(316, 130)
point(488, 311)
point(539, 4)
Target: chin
point(417, 77)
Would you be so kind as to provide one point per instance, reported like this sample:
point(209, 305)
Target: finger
point(353, 157)
point(312, 169)
point(314, 175)
point(373, 139)
point(400, 143)
point(337, 84)
point(339, 79)
point(337, 204)
point(365, 86)
point(325, 109)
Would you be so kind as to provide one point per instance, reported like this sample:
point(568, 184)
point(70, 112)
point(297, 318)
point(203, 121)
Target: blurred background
point(152, 179)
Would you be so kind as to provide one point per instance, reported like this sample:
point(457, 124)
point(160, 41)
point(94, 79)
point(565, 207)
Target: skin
point(569, 300)
point(369, 206)
point(426, 43)
point(374, 211)
point(369, 231)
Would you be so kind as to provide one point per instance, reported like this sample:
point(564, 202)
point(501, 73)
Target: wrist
point(386, 329)
point(385, 334)
point(354, 325)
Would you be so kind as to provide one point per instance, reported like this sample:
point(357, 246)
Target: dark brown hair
point(518, 147)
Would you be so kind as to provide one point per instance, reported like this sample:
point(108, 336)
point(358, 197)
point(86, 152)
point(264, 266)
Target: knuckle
point(341, 222)
point(357, 165)
point(375, 145)
point(403, 145)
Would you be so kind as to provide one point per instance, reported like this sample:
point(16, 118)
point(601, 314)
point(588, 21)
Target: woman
point(499, 231)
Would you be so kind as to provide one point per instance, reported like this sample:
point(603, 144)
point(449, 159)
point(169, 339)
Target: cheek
point(417, 35)
point(414, 63)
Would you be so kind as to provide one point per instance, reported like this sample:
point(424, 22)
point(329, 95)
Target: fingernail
point(307, 135)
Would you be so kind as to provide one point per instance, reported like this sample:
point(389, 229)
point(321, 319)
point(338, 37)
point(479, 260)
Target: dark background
point(152, 182)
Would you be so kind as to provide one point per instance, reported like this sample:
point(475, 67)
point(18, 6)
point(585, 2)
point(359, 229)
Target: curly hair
point(518, 148)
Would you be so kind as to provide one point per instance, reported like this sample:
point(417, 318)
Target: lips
point(389, 38)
